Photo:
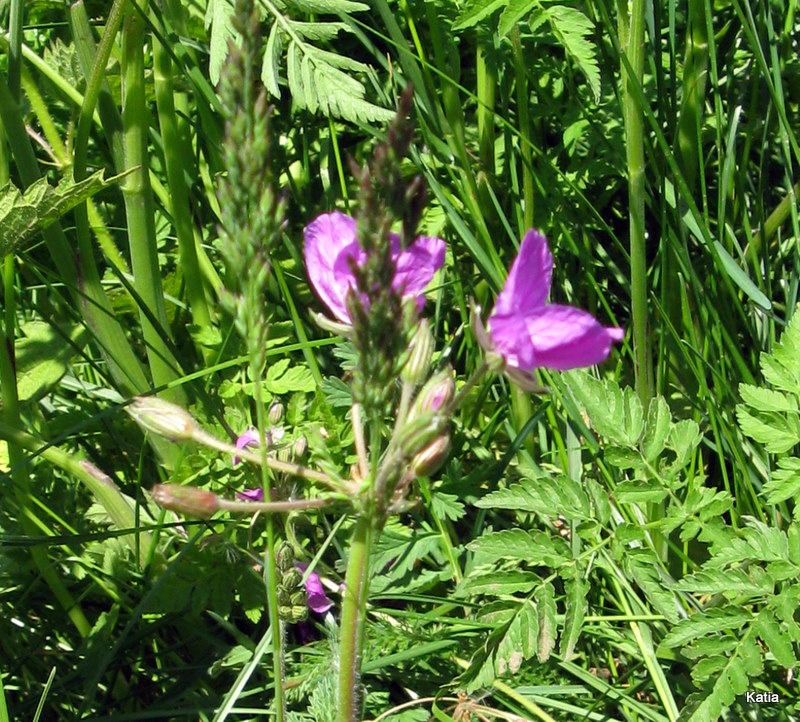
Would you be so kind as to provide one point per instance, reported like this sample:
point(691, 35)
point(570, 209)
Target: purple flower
point(251, 438)
point(528, 333)
point(317, 600)
point(330, 244)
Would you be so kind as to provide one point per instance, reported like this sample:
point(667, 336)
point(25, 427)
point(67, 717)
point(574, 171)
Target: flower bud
point(300, 447)
point(185, 499)
point(430, 459)
point(420, 351)
point(275, 413)
point(284, 557)
point(419, 433)
point(435, 395)
point(162, 418)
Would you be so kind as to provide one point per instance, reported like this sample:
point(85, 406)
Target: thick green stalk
point(179, 193)
point(631, 35)
point(354, 620)
point(138, 199)
point(487, 84)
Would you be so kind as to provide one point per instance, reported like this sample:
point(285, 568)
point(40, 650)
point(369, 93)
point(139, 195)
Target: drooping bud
point(435, 395)
point(185, 499)
point(431, 458)
point(420, 351)
point(162, 418)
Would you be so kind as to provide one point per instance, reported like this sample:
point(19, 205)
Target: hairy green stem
point(631, 35)
point(353, 621)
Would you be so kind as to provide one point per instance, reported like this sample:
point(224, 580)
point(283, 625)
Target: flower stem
point(273, 507)
point(270, 566)
point(353, 620)
point(458, 399)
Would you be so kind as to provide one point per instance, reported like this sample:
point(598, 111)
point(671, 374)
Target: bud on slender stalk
point(435, 395)
point(185, 499)
point(162, 418)
point(430, 459)
point(300, 447)
point(420, 351)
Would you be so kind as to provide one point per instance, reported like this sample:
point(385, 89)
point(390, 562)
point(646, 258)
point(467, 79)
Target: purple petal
point(324, 240)
point(528, 282)
point(250, 495)
point(510, 340)
point(564, 338)
point(417, 264)
point(248, 438)
point(317, 600)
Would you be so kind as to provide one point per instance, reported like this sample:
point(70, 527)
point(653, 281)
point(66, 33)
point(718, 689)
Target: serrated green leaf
point(513, 12)
point(218, 19)
point(549, 495)
point(642, 567)
point(779, 643)
point(718, 619)
point(23, 215)
point(784, 483)
point(447, 506)
point(656, 430)
point(329, 6)
point(728, 582)
point(534, 548)
point(762, 399)
point(576, 605)
point(777, 433)
point(498, 583)
point(640, 492)
point(684, 436)
point(519, 641)
point(573, 30)
point(781, 368)
point(546, 610)
point(269, 67)
point(475, 11)
point(621, 457)
point(604, 405)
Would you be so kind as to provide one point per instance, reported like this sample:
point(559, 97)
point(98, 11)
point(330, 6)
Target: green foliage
point(24, 215)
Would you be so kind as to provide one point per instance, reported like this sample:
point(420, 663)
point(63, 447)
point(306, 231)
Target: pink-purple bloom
point(331, 244)
point(317, 600)
point(529, 333)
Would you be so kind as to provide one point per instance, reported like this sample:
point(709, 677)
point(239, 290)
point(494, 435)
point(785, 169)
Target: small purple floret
point(317, 600)
point(330, 246)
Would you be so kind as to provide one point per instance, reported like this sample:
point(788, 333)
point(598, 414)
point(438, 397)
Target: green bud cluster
point(383, 325)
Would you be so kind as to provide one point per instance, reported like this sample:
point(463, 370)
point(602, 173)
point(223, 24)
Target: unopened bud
point(162, 418)
point(430, 459)
point(185, 499)
point(435, 395)
point(284, 557)
point(275, 413)
point(419, 433)
point(420, 351)
point(300, 447)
